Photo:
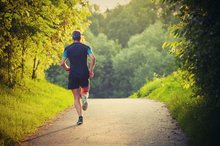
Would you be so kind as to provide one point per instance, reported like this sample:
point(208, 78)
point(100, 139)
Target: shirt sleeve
point(64, 54)
point(89, 51)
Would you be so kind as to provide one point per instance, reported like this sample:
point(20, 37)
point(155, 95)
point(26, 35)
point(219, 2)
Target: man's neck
point(75, 41)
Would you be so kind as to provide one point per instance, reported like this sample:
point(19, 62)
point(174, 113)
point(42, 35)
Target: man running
point(79, 73)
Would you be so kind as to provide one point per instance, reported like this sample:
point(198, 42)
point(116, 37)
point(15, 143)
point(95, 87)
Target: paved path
point(110, 122)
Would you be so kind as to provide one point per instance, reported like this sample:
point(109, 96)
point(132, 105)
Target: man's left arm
point(92, 63)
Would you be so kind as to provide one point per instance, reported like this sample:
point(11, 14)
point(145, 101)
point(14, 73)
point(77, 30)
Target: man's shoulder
point(84, 45)
point(68, 47)
point(73, 45)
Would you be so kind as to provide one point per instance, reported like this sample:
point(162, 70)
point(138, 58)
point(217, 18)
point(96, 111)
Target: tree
point(124, 21)
point(32, 34)
point(197, 48)
point(104, 51)
point(144, 57)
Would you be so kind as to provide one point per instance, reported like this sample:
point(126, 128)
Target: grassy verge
point(199, 121)
point(23, 109)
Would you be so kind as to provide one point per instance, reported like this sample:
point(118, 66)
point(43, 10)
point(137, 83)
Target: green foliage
point(199, 121)
point(32, 34)
point(120, 71)
point(197, 50)
point(98, 21)
point(55, 74)
point(104, 50)
point(142, 59)
point(128, 68)
point(198, 47)
point(125, 21)
point(26, 108)
point(164, 88)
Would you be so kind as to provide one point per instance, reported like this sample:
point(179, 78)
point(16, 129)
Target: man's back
point(77, 55)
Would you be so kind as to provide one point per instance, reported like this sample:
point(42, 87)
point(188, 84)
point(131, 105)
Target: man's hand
point(91, 74)
point(68, 70)
point(64, 65)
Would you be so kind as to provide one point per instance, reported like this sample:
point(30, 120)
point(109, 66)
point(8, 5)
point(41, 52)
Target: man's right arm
point(63, 62)
point(64, 65)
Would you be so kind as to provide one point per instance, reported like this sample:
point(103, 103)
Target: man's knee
point(76, 93)
point(84, 90)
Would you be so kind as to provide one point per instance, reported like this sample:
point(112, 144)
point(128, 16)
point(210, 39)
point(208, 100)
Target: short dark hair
point(76, 35)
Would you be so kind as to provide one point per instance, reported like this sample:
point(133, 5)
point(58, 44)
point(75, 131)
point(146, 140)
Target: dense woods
point(33, 38)
point(198, 47)
point(127, 42)
point(197, 51)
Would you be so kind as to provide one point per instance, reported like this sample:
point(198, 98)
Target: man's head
point(76, 35)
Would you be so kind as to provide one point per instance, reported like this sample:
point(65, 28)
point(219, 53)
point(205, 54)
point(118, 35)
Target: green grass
point(199, 121)
point(171, 91)
point(25, 108)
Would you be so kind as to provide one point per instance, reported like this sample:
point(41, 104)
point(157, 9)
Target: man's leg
point(76, 94)
point(84, 91)
point(84, 95)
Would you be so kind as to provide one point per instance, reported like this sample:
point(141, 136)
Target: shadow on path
point(112, 122)
point(49, 133)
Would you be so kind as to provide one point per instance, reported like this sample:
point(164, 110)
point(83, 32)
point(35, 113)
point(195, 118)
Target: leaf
point(16, 16)
point(8, 14)
point(28, 14)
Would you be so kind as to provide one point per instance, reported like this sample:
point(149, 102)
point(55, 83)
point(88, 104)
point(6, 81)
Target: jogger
point(79, 73)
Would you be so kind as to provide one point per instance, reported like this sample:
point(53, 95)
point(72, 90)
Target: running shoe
point(80, 120)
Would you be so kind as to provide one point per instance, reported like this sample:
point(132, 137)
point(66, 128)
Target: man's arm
point(64, 65)
point(92, 65)
point(63, 62)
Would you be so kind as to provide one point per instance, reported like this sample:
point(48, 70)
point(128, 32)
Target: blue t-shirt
point(77, 55)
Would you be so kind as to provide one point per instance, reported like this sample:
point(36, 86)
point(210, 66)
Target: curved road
point(122, 122)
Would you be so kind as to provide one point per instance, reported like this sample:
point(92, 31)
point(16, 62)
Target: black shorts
point(76, 82)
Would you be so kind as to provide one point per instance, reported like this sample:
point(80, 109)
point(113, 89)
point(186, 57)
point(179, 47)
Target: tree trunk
point(9, 66)
point(22, 60)
point(35, 66)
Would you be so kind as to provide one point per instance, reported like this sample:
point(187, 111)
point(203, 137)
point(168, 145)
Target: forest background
point(127, 42)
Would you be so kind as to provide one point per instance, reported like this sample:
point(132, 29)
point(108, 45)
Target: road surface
point(112, 122)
